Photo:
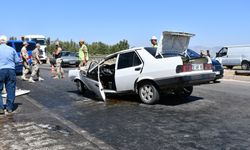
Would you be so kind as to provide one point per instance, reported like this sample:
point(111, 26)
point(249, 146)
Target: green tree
point(95, 48)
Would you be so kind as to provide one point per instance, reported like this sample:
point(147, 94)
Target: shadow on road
point(16, 105)
point(87, 94)
point(166, 99)
point(173, 100)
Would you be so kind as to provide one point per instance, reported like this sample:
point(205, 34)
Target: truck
point(41, 39)
point(235, 55)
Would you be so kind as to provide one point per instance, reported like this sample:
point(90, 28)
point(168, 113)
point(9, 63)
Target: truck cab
point(41, 39)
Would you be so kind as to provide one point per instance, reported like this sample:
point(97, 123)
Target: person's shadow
point(15, 106)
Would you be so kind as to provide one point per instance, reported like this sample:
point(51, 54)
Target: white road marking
point(100, 144)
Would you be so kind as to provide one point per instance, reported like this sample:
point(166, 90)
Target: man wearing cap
point(154, 41)
point(25, 57)
point(58, 55)
point(83, 54)
point(35, 64)
point(8, 58)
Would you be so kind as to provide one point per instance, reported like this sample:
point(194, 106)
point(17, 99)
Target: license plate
point(197, 67)
point(72, 62)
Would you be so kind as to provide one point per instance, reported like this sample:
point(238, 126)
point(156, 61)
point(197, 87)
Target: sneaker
point(1, 111)
point(24, 78)
point(40, 79)
point(31, 80)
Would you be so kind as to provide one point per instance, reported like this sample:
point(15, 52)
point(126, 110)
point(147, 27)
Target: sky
point(215, 22)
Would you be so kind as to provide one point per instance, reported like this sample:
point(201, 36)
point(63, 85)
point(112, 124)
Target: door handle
point(138, 69)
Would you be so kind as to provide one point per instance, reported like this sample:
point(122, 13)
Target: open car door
point(92, 81)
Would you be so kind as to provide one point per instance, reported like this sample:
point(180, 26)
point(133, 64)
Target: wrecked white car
point(147, 71)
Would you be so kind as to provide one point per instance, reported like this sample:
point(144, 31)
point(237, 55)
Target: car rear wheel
point(80, 86)
point(245, 65)
point(184, 92)
point(148, 93)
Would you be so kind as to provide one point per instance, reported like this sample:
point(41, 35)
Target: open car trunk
point(173, 42)
point(176, 44)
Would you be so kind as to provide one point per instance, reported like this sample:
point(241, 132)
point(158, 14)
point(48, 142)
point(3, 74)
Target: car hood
point(173, 42)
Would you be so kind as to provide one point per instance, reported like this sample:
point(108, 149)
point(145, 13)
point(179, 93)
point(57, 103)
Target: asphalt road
point(216, 116)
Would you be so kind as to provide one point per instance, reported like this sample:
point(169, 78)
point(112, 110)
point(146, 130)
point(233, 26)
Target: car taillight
point(207, 66)
point(184, 68)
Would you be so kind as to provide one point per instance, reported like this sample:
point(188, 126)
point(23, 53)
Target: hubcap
point(147, 92)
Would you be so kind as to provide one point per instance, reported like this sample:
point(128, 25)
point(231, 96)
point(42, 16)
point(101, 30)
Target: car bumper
point(185, 81)
point(219, 74)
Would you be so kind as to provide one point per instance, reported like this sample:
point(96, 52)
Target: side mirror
point(217, 54)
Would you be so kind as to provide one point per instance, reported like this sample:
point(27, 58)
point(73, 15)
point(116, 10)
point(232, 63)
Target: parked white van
point(41, 39)
point(237, 55)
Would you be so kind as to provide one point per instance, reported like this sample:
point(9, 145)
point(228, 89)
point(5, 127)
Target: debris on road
point(19, 92)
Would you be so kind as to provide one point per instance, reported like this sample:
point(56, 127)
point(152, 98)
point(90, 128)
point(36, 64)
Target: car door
point(223, 56)
point(235, 56)
point(128, 69)
point(92, 81)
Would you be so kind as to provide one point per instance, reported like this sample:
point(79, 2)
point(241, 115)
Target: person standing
point(35, 64)
point(208, 53)
point(58, 55)
point(83, 54)
point(154, 42)
point(25, 59)
point(8, 59)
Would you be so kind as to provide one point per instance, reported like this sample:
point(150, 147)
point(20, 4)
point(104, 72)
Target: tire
point(230, 67)
point(80, 87)
point(184, 92)
point(44, 61)
point(148, 93)
point(245, 65)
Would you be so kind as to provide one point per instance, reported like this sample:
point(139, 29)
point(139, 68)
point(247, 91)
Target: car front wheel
point(245, 65)
point(80, 86)
point(148, 93)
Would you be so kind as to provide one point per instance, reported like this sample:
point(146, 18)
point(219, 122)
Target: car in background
point(217, 69)
point(70, 58)
point(217, 66)
point(234, 55)
point(17, 45)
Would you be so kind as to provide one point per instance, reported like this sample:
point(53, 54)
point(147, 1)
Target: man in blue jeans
point(8, 58)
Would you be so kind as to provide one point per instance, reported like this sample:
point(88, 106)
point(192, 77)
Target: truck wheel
point(184, 92)
point(230, 67)
point(245, 65)
point(148, 93)
point(80, 86)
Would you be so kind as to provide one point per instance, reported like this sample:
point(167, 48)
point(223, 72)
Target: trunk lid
point(173, 42)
